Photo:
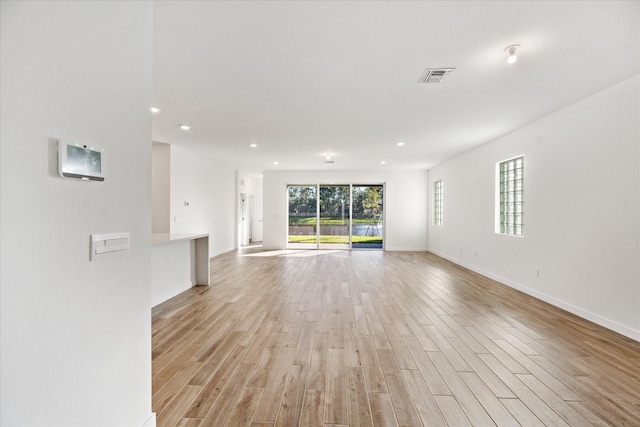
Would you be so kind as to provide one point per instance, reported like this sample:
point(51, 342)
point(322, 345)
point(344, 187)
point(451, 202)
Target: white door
point(246, 230)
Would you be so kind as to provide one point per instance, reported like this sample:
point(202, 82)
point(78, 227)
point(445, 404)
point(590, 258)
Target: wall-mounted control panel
point(80, 161)
point(112, 245)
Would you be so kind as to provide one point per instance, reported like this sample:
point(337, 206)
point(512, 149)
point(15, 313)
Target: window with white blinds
point(511, 189)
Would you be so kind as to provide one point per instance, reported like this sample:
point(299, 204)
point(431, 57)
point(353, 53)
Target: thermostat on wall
point(80, 161)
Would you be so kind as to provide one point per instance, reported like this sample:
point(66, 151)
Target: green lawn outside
point(328, 221)
point(336, 239)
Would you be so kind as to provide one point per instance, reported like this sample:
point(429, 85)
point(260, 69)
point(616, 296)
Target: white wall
point(210, 189)
point(405, 203)
point(75, 335)
point(582, 209)
point(160, 185)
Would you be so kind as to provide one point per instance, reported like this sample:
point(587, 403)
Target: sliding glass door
point(335, 217)
point(367, 230)
point(303, 217)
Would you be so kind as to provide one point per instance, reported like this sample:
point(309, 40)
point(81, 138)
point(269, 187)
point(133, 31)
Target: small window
point(511, 193)
point(437, 203)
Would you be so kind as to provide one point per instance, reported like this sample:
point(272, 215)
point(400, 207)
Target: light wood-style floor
point(384, 339)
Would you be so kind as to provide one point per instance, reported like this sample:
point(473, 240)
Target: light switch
point(100, 247)
point(109, 245)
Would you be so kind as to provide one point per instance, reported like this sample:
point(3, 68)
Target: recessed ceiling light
point(275, 163)
point(155, 110)
point(253, 145)
point(511, 50)
point(383, 162)
point(185, 127)
point(400, 144)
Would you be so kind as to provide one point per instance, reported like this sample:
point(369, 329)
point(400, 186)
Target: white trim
point(405, 249)
point(222, 251)
point(151, 421)
point(170, 293)
point(595, 318)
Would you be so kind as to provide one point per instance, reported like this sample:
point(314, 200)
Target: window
point(437, 203)
point(511, 193)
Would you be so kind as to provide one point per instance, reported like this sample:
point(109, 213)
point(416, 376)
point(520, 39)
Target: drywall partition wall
point(160, 184)
point(405, 203)
point(203, 198)
point(75, 335)
point(581, 248)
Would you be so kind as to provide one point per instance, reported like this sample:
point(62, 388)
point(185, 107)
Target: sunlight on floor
point(292, 253)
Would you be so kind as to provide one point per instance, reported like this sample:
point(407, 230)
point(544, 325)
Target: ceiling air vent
point(435, 75)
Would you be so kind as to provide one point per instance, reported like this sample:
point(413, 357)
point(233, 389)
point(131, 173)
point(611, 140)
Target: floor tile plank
point(423, 400)
point(336, 411)
point(382, 410)
point(313, 409)
point(291, 407)
point(271, 400)
point(359, 409)
point(452, 412)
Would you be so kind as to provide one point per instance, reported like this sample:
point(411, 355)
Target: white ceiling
point(301, 79)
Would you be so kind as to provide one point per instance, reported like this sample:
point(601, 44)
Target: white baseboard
point(272, 248)
point(220, 252)
point(585, 314)
point(159, 299)
point(404, 249)
point(151, 421)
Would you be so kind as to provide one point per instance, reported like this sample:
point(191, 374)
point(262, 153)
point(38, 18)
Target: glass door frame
point(303, 246)
point(350, 227)
point(327, 246)
point(383, 217)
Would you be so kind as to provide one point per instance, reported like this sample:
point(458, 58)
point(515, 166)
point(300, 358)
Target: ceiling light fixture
point(155, 110)
point(253, 145)
point(275, 163)
point(511, 50)
point(185, 127)
point(400, 144)
point(383, 162)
